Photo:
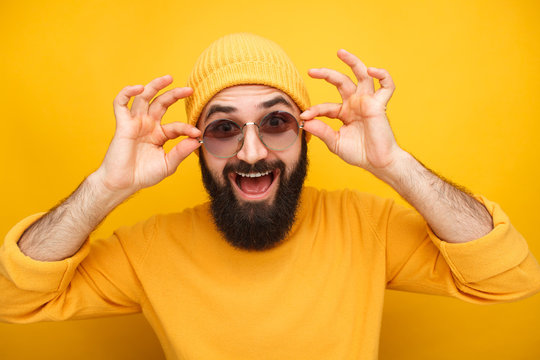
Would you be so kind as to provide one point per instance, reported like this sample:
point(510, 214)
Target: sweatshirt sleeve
point(497, 267)
point(98, 280)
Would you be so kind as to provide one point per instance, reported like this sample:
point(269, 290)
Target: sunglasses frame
point(242, 127)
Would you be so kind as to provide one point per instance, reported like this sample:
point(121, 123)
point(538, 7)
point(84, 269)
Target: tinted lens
point(278, 130)
point(222, 138)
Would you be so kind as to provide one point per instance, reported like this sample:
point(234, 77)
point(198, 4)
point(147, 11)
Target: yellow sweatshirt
point(319, 295)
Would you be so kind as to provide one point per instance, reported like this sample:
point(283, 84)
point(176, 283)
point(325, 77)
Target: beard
point(256, 225)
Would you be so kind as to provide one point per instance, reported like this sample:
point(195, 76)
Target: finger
point(330, 110)
point(121, 101)
point(384, 93)
point(323, 131)
point(177, 128)
point(140, 104)
point(365, 82)
point(344, 84)
point(179, 152)
point(159, 105)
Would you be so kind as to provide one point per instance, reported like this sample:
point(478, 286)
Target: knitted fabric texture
point(241, 59)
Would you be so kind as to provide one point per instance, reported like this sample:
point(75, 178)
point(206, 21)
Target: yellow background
point(466, 104)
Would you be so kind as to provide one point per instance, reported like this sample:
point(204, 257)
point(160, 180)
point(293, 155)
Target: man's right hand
point(136, 158)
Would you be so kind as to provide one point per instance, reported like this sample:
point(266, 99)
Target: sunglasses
point(277, 130)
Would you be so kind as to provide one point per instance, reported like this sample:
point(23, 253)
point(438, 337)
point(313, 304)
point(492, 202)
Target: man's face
point(254, 193)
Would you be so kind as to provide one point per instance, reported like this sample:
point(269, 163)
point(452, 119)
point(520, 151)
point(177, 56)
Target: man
point(267, 269)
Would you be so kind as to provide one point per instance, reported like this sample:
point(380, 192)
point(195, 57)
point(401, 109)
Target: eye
point(278, 122)
point(222, 129)
point(275, 121)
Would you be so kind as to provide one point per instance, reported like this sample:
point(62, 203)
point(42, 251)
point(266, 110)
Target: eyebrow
point(277, 100)
point(220, 108)
point(230, 109)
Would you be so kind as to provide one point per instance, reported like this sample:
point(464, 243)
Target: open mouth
point(254, 185)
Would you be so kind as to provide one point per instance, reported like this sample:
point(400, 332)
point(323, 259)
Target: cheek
point(291, 156)
point(215, 165)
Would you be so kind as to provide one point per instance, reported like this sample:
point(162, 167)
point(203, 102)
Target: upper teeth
point(252, 175)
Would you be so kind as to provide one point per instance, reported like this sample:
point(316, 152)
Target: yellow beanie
point(241, 59)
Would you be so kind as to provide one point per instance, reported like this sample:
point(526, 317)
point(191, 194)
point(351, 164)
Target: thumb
point(323, 131)
point(179, 152)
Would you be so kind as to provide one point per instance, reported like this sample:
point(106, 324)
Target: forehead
point(245, 96)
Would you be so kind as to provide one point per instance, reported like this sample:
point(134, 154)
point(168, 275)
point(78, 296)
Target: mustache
point(260, 166)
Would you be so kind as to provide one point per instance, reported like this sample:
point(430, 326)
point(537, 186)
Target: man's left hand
point(365, 139)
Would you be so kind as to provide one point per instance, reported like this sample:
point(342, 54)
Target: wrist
point(398, 170)
point(105, 195)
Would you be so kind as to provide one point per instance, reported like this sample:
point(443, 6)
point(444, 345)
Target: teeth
point(253, 175)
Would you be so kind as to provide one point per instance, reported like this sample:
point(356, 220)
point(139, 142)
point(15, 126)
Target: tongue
point(255, 185)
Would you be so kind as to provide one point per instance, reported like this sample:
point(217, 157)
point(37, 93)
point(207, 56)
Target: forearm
point(453, 214)
point(63, 230)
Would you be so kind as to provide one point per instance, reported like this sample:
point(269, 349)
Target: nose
point(253, 149)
